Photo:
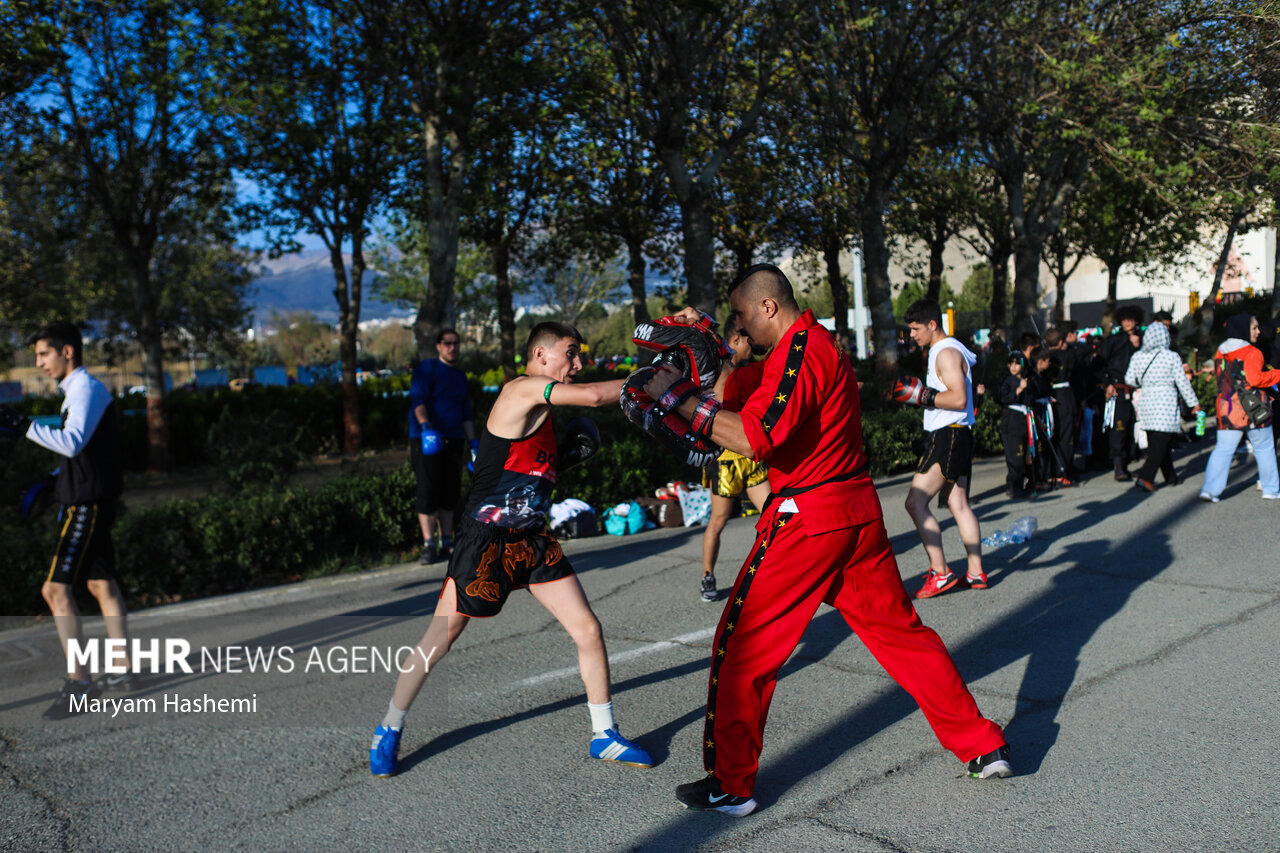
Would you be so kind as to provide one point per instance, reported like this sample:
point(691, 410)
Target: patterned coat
point(1157, 370)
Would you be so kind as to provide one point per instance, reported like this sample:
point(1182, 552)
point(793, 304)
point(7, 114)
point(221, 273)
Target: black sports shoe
point(64, 706)
point(709, 588)
point(705, 795)
point(127, 682)
point(994, 764)
point(428, 554)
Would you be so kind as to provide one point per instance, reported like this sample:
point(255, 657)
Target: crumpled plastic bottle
point(1200, 419)
point(1021, 530)
point(995, 540)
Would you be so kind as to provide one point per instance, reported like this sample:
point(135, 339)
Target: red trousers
point(775, 596)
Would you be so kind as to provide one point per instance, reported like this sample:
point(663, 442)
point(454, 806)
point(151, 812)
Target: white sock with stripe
point(601, 717)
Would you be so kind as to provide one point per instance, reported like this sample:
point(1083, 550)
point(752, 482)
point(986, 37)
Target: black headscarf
point(1239, 326)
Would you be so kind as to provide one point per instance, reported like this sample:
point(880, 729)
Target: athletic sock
point(601, 717)
point(395, 717)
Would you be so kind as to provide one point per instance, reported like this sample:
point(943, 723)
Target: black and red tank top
point(514, 478)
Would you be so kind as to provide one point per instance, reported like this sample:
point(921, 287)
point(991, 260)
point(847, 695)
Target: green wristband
point(546, 392)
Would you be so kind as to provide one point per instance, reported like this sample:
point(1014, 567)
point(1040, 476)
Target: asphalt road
point(1129, 649)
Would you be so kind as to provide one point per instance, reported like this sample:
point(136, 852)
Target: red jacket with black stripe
point(805, 420)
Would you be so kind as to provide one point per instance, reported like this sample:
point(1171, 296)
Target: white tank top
point(939, 418)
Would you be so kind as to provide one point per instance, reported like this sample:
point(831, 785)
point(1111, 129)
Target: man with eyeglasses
point(441, 434)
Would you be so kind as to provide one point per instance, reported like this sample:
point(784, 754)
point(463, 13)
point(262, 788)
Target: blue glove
point(475, 448)
point(431, 441)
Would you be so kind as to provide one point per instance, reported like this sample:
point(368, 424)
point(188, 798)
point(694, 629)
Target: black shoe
point(72, 699)
point(127, 682)
point(709, 588)
point(1175, 480)
point(429, 554)
point(446, 547)
point(994, 764)
point(1123, 477)
point(706, 795)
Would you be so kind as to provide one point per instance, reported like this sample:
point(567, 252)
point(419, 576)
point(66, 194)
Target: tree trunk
point(936, 246)
point(839, 290)
point(151, 339)
point(635, 280)
point(1109, 310)
point(1206, 307)
point(437, 308)
point(1026, 283)
point(348, 293)
point(1275, 270)
point(699, 252)
point(875, 259)
point(506, 310)
point(1001, 250)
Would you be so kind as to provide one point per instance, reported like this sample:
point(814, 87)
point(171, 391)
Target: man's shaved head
point(761, 281)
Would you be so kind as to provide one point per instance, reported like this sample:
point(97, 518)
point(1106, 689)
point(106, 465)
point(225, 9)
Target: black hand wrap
point(580, 443)
point(672, 431)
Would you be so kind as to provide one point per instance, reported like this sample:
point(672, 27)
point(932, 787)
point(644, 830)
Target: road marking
point(630, 654)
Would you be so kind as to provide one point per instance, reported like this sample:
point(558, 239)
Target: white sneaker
point(1267, 497)
point(1208, 498)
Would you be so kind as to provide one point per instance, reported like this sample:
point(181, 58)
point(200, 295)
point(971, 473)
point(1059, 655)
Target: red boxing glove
point(913, 392)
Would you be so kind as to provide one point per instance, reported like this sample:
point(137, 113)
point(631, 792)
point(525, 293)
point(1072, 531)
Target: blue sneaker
point(612, 746)
point(382, 755)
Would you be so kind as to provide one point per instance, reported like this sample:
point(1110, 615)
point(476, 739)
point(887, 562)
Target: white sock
point(601, 717)
point(395, 717)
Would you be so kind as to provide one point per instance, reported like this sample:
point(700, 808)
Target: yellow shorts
point(732, 474)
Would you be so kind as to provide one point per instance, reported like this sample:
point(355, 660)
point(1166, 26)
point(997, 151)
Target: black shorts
point(489, 561)
point(951, 448)
point(85, 550)
point(439, 476)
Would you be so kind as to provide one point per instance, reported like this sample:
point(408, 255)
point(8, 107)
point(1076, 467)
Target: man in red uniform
point(820, 538)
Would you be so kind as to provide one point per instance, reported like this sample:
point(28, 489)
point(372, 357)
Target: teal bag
point(622, 523)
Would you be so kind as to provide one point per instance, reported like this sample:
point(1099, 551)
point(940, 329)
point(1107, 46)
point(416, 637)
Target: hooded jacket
point(1237, 360)
point(1157, 371)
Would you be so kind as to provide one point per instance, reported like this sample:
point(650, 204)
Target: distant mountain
point(303, 281)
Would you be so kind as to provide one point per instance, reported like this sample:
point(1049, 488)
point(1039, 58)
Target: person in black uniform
point(1116, 351)
point(1066, 360)
point(87, 485)
point(1011, 394)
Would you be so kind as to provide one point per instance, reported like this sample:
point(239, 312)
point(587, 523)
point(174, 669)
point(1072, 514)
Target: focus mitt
point(694, 350)
point(671, 431)
point(13, 422)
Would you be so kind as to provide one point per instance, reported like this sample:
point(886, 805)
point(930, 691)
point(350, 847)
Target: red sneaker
point(978, 581)
point(936, 583)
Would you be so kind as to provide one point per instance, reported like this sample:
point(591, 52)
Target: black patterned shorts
point(489, 561)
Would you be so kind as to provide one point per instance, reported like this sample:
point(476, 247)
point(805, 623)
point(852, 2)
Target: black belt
point(792, 491)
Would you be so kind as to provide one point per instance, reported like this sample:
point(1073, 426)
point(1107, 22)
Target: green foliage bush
point(207, 546)
point(256, 449)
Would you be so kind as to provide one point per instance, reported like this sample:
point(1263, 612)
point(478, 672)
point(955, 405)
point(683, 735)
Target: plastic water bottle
point(1200, 419)
point(1021, 530)
point(995, 540)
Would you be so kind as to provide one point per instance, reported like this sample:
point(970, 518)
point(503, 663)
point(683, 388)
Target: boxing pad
point(13, 422)
point(694, 350)
point(581, 441)
point(913, 392)
point(660, 421)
